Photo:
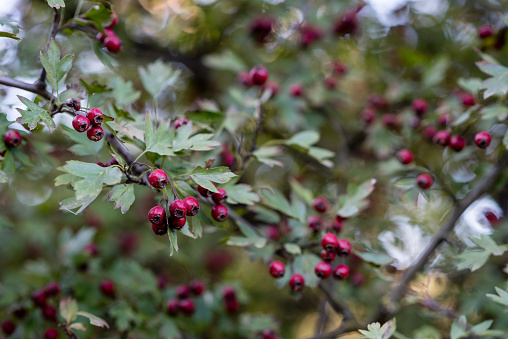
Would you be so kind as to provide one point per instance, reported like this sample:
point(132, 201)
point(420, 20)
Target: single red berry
point(49, 313)
point(442, 138)
point(161, 282)
point(273, 87)
point(108, 288)
point(157, 215)
point(309, 34)
point(160, 229)
point(258, 75)
point(341, 272)
point(424, 180)
point(113, 43)
point(368, 115)
point(220, 212)
point(485, 31)
point(444, 119)
point(80, 123)
point(228, 292)
point(269, 334)
point(358, 279)
point(172, 307)
point(405, 156)
point(52, 289)
point(339, 67)
point(182, 291)
point(158, 179)
point(231, 305)
point(91, 249)
point(347, 23)
point(320, 204)
point(95, 133)
point(228, 158)
point(112, 162)
point(197, 287)
point(272, 232)
point(492, 218)
point(187, 307)
point(260, 28)
point(204, 192)
point(334, 226)
point(95, 116)
point(50, 333)
point(101, 37)
point(12, 138)
point(220, 197)
point(192, 206)
point(329, 242)
point(429, 132)
point(344, 247)
point(378, 101)
point(39, 298)
point(482, 139)
point(296, 282)
point(100, 164)
point(180, 122)
point(296, 90)
point(390, 121)
point(327, 256)
point(414, 122)
point(420, 107)
point(244, 79)
point(467, 99)
point(340, 218)
point(457, 142)
point(177, 223)
point(73, 103)
point(323, 269)
point(277, 269)
point(178, 208)
point(314, 222)
point(114, 20)
point(8, 327)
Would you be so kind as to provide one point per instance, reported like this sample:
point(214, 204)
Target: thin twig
point(40, 83)
point(338, 305)
point(68, 332)
point(175, 193)
point(26, 86)
point(137, 169)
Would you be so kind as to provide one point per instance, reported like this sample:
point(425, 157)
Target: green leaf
point(265, 155)
point(124, 315)
point(185, 230)
point(303, 139)
point(498, 83)
point(173, 240)
point(276, 200)
point(169, 329)
point(505, 140)
point(77, 326)
point(123, 196)
point(204, 178)
point(124, 92)
point(499, 112)
point(501, 298)
point(9, 23)
point(56, 3)
point(55, 67)
point(195, 225)
point(71, 204)
point(292, 248)
point(475, 259)
point(198, 142)
point(34, 114)
point(226, 61)
point(83, 146)
point(94, 320)
point(302, 192)
point(355, 199)
point(435, 74)
point(379, 259)
point(472, 85)
point(159, 141)
point(105, 58)
point(376, 331)
point(100, 14)
point(9, 35)
point(3, 178)
point(457, 330)
point(240, 194)
point(304, 265)
point(68, 309)
point(158, 76)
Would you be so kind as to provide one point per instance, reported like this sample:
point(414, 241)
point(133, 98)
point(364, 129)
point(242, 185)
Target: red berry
point(182, 291)
point(114, 20)
point(323, 269)
point(442, 138)
point(180, 122)
point(231, 305)
point(390, 121)
point(192, 206)
point(296, 90)
point(269, 334)
point(112, 162)
point(314, 222)
point(273, 87)
point(485, 31)
point(158, 179)
point(49, 313)
point(8, 327)
point(296, 282)
point(492, 218)
point(429, 132)
point(95, 116)
point(420, 107)
point(258, 75)
point(272, 232)
point(358, 279)
point(178, 208)
point(482, 139)
point(113, 43)
point(220, 197)
point(334, 226)
point(457, 142)
point(177, 223)
point(161, 282)
point(368, 115)
point(95, 133)
point(344, 247)
point(228, 158)
point(309, 34)
point(378, 101)
point(341, 272)
point(329, 242)
point(347, 23)
point(101, 37)
point(228, 292)
point(244, 79)
point(197, 287)
point(327, 256)
point(100, 164)
point(444, 119)
point(157, 215)
point(341, 218)
point(187, 307)
point(91, 249)
point(204, 192)
point(277, 269)
point(12, 138)
point(320, 204)
point(73, 103)
point(220, 212)
point(172, 307)
point(50, 333)
point(260, 28)
point(51, 289)
point(160, 229)
point(39, 298)
point(108, 288)
point(467, 99)
point(339, 67)
point(424, 180)
point(405, 156)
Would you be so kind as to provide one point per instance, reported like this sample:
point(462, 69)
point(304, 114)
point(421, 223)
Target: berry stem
point(174, 189)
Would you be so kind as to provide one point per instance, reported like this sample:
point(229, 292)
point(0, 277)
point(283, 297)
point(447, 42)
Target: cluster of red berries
point(91, 123)
point(183, 304)
point(179, 209)
point(219, 211)
point(231, 304)
point(12, 138)
point(111, 41)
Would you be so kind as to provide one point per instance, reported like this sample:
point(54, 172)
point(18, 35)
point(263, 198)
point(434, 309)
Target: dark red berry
point(197, 287)
point(457, 142)
point(12, 138)
point(178, 208)
point(339, 67)
point(192, 206)
point(341, 272)
point(272, 232)
point(177, 223)
point(315, 223)
point(277, 269)
point(114, 20)
point(442, 138)
point(244, 79)
point(390, 121)
point(309, 34)
point(204, 192)
point(182, 291)
point(467, 99)
point(329, 242)
point(334, 226)
point(424, 180)
point(91, 249)
point(160, 229)
point(228, 292)
point(344, 247)
point(429, 132)
point(220, 197)
point(49, 313)
point(95, 133)
point(368, 115)
point(108, 288)
point(405, 156)
point(100, 164)
point(327, 256)
point(50, 333)
point(420, 107)
point(347, 23)
point(8, 327)
point(320, 204)
point(101, 37)
point(323, 269)
point(112, 162)
point(161, 282)
point(52, 289)
point(492, 217)
point(378, 101)
point(113, 43)
point(80, 123)
point(180, 122)
point(39, 298)
point(158, 179)
point(73, 103)
point(341, 218)
point(258, 75)
point(231, 305)
point(19, 312)
point(485, 31)
point(482, 139)
point(172, 307)
point(260, 28)
point(296, 90)
point(444, 119)
point(157, 215)
point(269, 334)
point(358, 279)
point(95, 116)
point(296, 282)
point(187, 307)
point(220, 212)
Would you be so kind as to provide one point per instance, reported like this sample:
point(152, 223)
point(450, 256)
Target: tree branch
point(68, 332)
point(26, 86)
point(337, 304)
point(137, 169)
point(40, 83)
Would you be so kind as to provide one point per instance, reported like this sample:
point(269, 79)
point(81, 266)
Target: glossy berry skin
point(296, 90)
point(424, 180)
point(113, 43)
point(320, 204)
point(52, 289)
point(95, 133)
point(173, 307)
point(177, 223)
point(108, 288)
point(219, 213)
point(258, 75)
point(315, 223)
point(344, 247)
point(442, 138)
point(12, 138)
point(197, 287)
point(296, 282)
point(457, 142)
point(178, 208)
point(269, 334)
point(323, 269)
point(192, 206)
point(157, 215)
point(277, 269)
point(204, 192)
point(8, 327)
point(49, 313)
point(95, 116)
point(160, 229)
point(80, 123)
point(187, 307)
point(50, 333)
point(485, 31)
point(467, 99)
point(73, 103)
point(341, 272)
point(220, 197)
point(334, 226)
point(327, 256)
point(482, 139)
point(420, 107)
point(231, 305)
point(180, 122)
point(405, 156)
point(39, 298)
point(329, 242)
point(158, 179)
point(182, 291)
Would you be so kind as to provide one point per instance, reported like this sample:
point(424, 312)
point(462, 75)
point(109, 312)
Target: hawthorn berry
point(39, 298)
point(101, 37)
point(340, 218)
point(49, 313)
point(277, 269)
point(51, 289)
point(158, 179)
point(269, 334)
point(272, 232)
point(95, 133)
point(91, 249)
point(50, 333)
point(296, 282)
point(368, 115)
point(231, 305)
point(323, 269)
point(339, 67)
point(114, 20)
point(197, 287)
point(467, 99)
point(192, 206)
point(327, 256)
point(73, 103)
point(220, 197)
point(177, 223)
point(296, 90)
point(429, 132)
point(405, 156)
point(492, 217)
point(220, 212)
point(390, 121)
point(424, 180)
point(258, 75)
point(329, 242)
point(187, 307)
point(8, 327)
point(112, 162)
point(204, 192)
point(314, 222)
point(113, 43)
point(347, 23)
point(95, 116)
point(309, 34)
point(108, 288)
point(160, 229)
point(244, 79)
point(101, 164)
point(482, 139)
point(228, 292)
point(344, 247)
point(358, 279)
point(457, 142)
point(172, 307)
point(180, 122)
point(260, 28)
point(80, 123)
point(378, 101)
point(320, 204)
point(341, 272)
point(178, 208)
point(157, 215)
point(420, 107)
point(12, 138)
point(334, 225)
point(485, 31)
point(444, 119)
point(442, 138)
point(182, 291)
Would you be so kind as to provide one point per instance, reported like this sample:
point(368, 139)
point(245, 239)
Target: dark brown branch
point(40, 83)
point(345, 327)
point(137, 169)
point(323, 317)
point(26, 86)
point(338, 305)
point(68, 332)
